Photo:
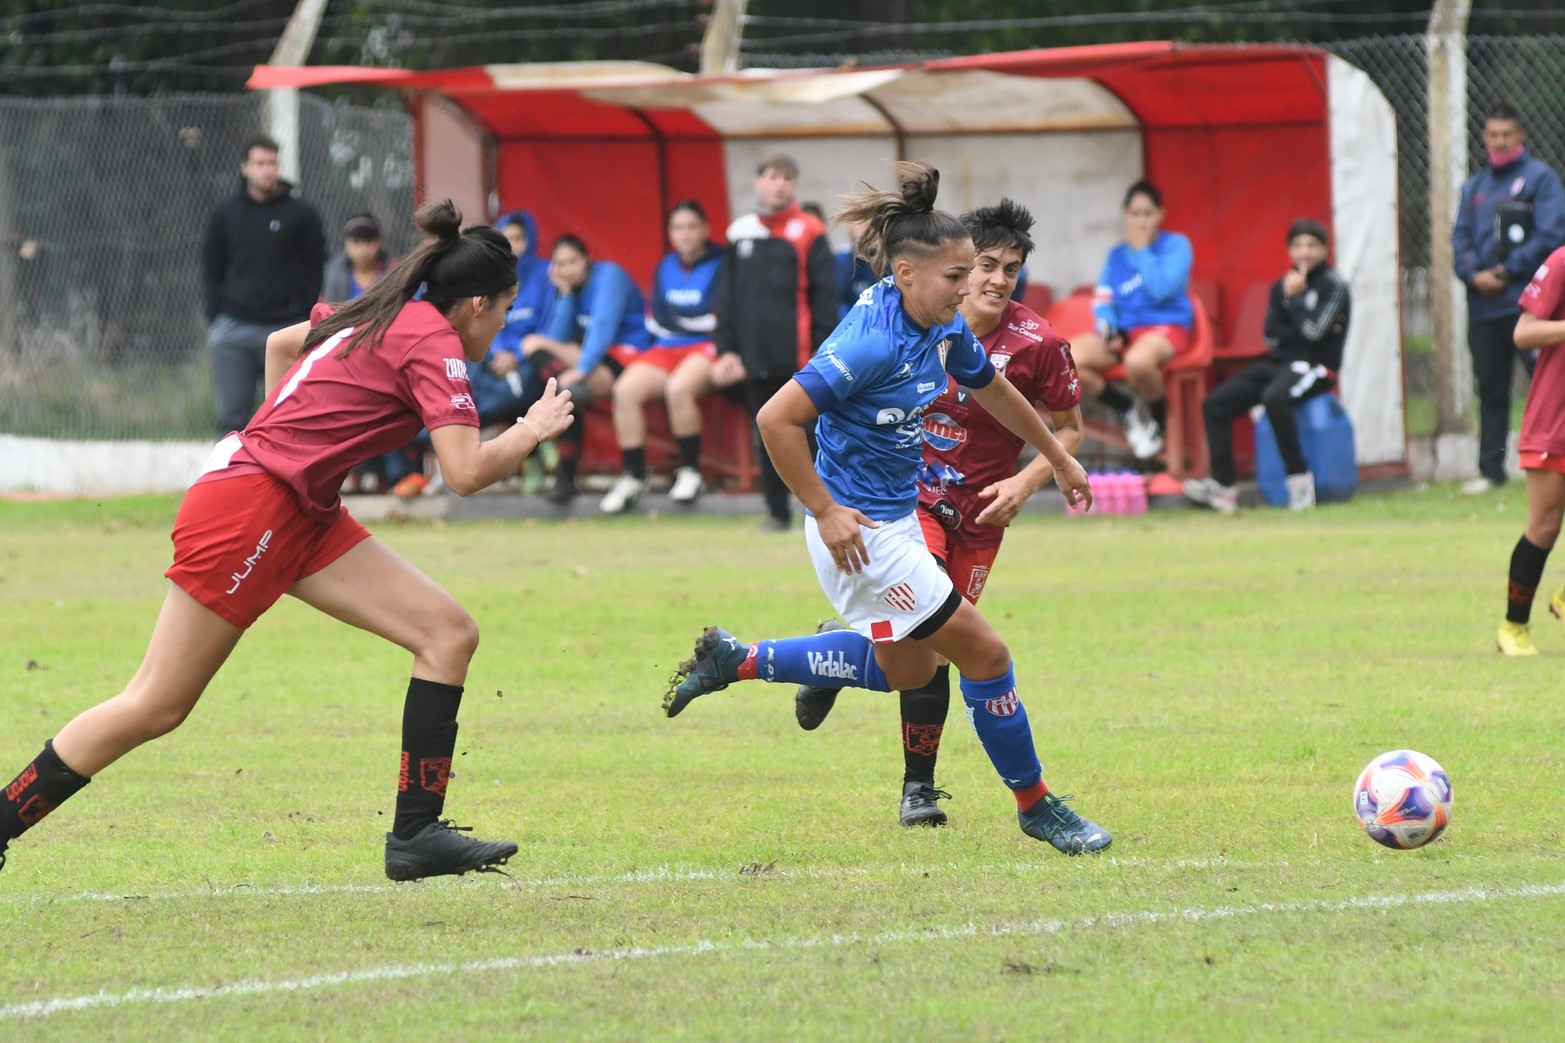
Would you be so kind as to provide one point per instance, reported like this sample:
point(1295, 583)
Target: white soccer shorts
point(900, 587)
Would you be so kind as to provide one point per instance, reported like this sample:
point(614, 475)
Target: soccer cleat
point(3, 845)
point(687, 485)
point(1516, 638)
point(714, 667)
point(440, 849)
point(622, 494)
point(811, 703)
point(410, 486)
point(1052, 819)
point(1141, 432)
point(1209, 492)
point(1301, 492)
point(919, 807)
point(562, 492)
point(1557, 604)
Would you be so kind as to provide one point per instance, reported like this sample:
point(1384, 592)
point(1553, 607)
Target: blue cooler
point(1326, 436)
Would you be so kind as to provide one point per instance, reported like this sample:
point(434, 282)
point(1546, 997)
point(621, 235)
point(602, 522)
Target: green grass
point(1208, 687)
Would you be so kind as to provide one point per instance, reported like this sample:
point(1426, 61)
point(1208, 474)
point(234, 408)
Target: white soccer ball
point(1403, 798)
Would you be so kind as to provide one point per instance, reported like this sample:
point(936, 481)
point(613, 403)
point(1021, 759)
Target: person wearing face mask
point(1511, 216)
point(1306, 328)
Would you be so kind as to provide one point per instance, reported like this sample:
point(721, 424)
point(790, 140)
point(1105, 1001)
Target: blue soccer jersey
point(871, 382)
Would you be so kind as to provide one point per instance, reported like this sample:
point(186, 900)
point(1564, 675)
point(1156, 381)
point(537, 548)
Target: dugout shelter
point(1241, 140)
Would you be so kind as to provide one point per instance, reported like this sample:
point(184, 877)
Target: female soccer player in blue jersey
point(865, 393)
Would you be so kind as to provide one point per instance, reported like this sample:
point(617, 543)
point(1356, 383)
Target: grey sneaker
point(919, 807)
point(811, 703)
point(1052, 819)
point(1208, 492)
point(440, 849)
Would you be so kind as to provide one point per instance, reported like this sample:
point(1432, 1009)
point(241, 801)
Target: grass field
point(1208, 688)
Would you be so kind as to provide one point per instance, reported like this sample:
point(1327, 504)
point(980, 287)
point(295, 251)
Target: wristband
point(537, 438)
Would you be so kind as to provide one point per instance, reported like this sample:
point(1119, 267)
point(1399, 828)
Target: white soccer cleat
point(1142, 433)
point(623, 493)
point(1209, 492)
point(687, 485)
point(1301, 492)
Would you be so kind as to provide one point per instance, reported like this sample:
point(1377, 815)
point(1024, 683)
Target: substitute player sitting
point(969, 489)
point(866, 394)
point(264, 519)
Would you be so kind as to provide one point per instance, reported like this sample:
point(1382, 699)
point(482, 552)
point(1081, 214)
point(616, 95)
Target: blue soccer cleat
point(1052, 819)
point(714, 667)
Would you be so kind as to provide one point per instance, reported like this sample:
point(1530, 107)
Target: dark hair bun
point(441, 219)
point(920, 186)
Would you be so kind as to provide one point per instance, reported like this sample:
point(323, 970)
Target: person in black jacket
point(262, 263)
point(776, 304)
point(1306, 327)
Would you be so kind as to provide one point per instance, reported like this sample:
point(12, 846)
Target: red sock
point(746, 669)
point(1026, 798)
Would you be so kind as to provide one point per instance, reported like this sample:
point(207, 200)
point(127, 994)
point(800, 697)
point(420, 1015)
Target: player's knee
point(455, 637)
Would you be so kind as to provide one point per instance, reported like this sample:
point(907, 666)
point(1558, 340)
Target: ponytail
point(452, 263)
point(902, 222)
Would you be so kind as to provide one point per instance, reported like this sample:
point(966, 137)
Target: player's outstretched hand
point(1072, 480)
point(841, 530)
point(551, 414)
point(1005, 502)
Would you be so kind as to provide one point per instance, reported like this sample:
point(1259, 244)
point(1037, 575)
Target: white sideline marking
point(658, 875)
point(44, 1008)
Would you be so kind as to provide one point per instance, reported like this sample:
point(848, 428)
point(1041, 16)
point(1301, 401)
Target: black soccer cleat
point(713, 667)
point(919, 804)
point(440, 849)
point(812, 703)
point(1053, 820)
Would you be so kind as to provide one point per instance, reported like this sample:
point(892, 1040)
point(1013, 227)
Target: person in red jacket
point(969, 489)
point(264, 519)
point(1542, 450)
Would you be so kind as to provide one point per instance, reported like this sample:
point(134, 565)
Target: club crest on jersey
point(943, 433)
point(1005, 706)
point(901, 597)
point(976, 580)
point(999, 362)
point(945, 349)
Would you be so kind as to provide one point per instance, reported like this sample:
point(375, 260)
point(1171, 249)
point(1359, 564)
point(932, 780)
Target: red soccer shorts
point(1543, 462)
point(241, 542)
point(1178, 336)
point(666, 359)
point(968, 567)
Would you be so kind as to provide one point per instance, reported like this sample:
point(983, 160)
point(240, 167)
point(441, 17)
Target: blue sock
point(1000, 720)
point(835, 659)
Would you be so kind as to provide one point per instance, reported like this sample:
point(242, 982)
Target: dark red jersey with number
point(966, 449)
point(329, 413)
point(1543, 422)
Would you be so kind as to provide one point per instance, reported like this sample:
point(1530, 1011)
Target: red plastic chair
point(1038, 297)
point(1244, 340)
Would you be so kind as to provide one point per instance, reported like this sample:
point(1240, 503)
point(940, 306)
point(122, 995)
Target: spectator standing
point(1511, 216)
point(1306, 328)
point(678, 366)
point(1144, 318)
point(776, 303)
point(262, 263)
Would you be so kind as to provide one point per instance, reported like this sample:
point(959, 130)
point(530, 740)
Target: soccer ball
point(1403, 798)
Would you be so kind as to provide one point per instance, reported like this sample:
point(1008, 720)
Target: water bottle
point(1115, 494)
point(1135, 486)
point(1095, 481)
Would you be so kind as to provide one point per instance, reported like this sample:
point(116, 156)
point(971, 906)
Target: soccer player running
point(264, 519)
point(969, 489)
point(1542, 451)
point(866, 393)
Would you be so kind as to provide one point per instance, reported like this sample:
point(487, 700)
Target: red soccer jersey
point(329, 414)
point(966, 449)
point(1543, 422)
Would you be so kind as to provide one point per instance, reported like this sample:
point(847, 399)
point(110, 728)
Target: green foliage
point(1208, 687)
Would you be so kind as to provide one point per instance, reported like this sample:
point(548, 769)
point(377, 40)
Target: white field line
point(397, 972)
point(656, 875)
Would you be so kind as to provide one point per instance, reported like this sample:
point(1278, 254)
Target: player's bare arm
point(282, 351)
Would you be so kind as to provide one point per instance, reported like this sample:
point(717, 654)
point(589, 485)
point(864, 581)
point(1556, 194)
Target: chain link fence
point(103, 203)
point(103, 206)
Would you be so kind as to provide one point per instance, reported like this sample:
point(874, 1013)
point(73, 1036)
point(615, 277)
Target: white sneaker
point(1478, 487)
point(1141, 431)
point(1301, 491)
point(1209, 492)
point(687, 485)
point(622, 494)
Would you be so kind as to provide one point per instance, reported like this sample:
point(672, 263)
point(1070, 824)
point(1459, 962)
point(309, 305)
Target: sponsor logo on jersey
point(463, 402)
point(456, 369)
point(1025, 326)
point(842, 367)
point(832, 664)
point(1024, 329)
point(890, 415)
point(1005, 706)
point(927, 386)
point(943, 433)
point(260, 548)
point(901, 597)
point(678, 296)
point(976, 580)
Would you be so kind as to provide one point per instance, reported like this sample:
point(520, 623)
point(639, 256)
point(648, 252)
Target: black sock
point(1159, 411)
point(690, 451)
point(41, 787)
point(1527, 562)
point(635, 461)
point(924, 713)
point(428, 740)
point(1115, 399)
point(570, 445)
